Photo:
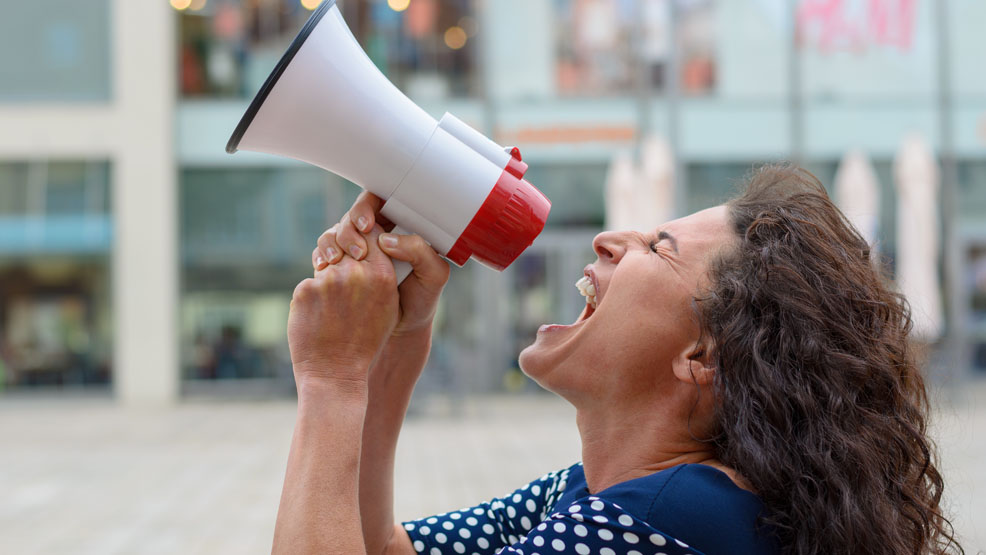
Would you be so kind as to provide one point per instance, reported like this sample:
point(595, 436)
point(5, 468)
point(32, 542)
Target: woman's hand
point(420, 292)
point(341, 318)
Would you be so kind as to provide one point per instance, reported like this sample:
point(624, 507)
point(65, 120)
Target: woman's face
point(644, 322)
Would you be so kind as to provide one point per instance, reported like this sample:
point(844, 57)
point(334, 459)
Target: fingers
point(348, 236)
point(318, 261)
point(350, 240)
point(375, 255)
point(365, 211)
point(328, 248)
point(430, 268)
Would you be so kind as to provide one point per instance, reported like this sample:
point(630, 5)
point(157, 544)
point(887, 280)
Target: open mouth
point(588, 288)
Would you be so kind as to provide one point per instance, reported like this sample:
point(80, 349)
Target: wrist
point(408, 337)
point(413, 333)
point(320, 383)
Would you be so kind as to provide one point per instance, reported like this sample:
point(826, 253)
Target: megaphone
point(327, 104)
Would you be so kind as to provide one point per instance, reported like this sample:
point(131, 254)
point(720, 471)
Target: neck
point(621, 446)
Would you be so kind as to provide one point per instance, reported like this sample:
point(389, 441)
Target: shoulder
point(697, 504)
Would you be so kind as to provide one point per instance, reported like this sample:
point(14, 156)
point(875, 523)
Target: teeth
point(587, 289)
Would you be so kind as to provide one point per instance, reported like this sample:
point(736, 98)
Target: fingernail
point(355, 252)
point(332, 253)
point(388, 240)
point(361, 223)
point(320, 263)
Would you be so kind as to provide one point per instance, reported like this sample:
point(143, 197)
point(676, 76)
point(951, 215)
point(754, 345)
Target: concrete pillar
point(144, 198)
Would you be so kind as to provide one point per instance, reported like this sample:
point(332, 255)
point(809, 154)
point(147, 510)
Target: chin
point(533, 364)
point(527, 360)
point(539, 364)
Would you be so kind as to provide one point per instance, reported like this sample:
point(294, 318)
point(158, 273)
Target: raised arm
point(337, 326)
point(395, 371)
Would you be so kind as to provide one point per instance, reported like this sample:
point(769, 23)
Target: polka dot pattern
point(527, 521)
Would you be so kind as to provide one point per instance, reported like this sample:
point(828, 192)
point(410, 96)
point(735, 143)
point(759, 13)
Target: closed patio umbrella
point(619, 189)
point(857, 193)
point(917, 179)
point(640, 197)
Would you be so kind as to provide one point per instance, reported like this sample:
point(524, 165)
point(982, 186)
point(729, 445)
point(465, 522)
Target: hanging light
point(310, 4)
point(398, 5)
point(181, 5)
point(455, 37)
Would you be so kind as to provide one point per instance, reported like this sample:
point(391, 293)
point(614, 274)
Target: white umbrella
point(620, 184)
point(640, 198)
point(657, 193)
point(857, 192)
point(916, 176)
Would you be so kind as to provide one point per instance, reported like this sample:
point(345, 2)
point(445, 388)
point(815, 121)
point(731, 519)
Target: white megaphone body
point(327, 104)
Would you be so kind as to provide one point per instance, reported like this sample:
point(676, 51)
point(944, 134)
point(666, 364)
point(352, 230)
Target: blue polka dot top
point(686, 509)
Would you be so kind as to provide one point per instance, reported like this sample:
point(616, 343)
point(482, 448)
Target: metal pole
point(641, 83)
point(481, 54)
point(954, 342)
point(795, 86)
point(674, 122)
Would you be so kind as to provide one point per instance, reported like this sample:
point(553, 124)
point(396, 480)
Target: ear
point(694, 364)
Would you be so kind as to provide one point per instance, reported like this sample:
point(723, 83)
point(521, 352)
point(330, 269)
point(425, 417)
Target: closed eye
point(664, 236)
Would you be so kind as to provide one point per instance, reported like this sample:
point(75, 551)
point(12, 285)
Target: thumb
point(374, 255)
point(428, 266)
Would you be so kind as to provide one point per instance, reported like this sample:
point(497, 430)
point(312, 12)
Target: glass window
point(710, 184)
point(974, 285)
point(575, 190)
point(13, 188)
point(880, 49)
point(247, 237)
point(55, 322)
point(55, 238)
point(967, 42)
point(227, 49)
point(972, 190)
point(58, 50)
point(595, 45)
point(59, 207)
point(258, 215)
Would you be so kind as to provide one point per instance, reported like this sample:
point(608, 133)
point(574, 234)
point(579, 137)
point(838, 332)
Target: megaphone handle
point(401, 269)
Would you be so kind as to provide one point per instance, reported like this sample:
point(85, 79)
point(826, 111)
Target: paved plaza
point(86, 476)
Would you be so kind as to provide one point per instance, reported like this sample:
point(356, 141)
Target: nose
point(610, 246)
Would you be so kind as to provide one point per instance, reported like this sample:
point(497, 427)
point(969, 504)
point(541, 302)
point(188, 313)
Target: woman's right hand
point(421, 290)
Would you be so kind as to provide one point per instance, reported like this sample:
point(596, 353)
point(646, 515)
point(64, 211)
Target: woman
point(742, 380)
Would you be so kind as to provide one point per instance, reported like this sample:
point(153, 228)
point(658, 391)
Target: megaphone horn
point(327, 104)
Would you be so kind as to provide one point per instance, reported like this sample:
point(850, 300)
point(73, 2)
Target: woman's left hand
point(340, 319)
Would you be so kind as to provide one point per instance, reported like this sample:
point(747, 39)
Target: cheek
point(653, 325)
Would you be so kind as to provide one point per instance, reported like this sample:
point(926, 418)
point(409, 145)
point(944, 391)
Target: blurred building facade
point(135, 252)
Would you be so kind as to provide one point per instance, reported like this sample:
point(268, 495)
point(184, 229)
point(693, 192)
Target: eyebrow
point(665, 235)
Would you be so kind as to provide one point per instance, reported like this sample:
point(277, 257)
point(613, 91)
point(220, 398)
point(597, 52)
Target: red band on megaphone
point(511, 217)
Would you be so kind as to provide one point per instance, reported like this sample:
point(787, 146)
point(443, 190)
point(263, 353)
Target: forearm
point(391, 383)
point(319, 510)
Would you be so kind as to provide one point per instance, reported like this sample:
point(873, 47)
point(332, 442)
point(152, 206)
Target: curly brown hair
point(820, 403)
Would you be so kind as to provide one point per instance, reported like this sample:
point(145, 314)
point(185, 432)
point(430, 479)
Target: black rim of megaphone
point(258, 100)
